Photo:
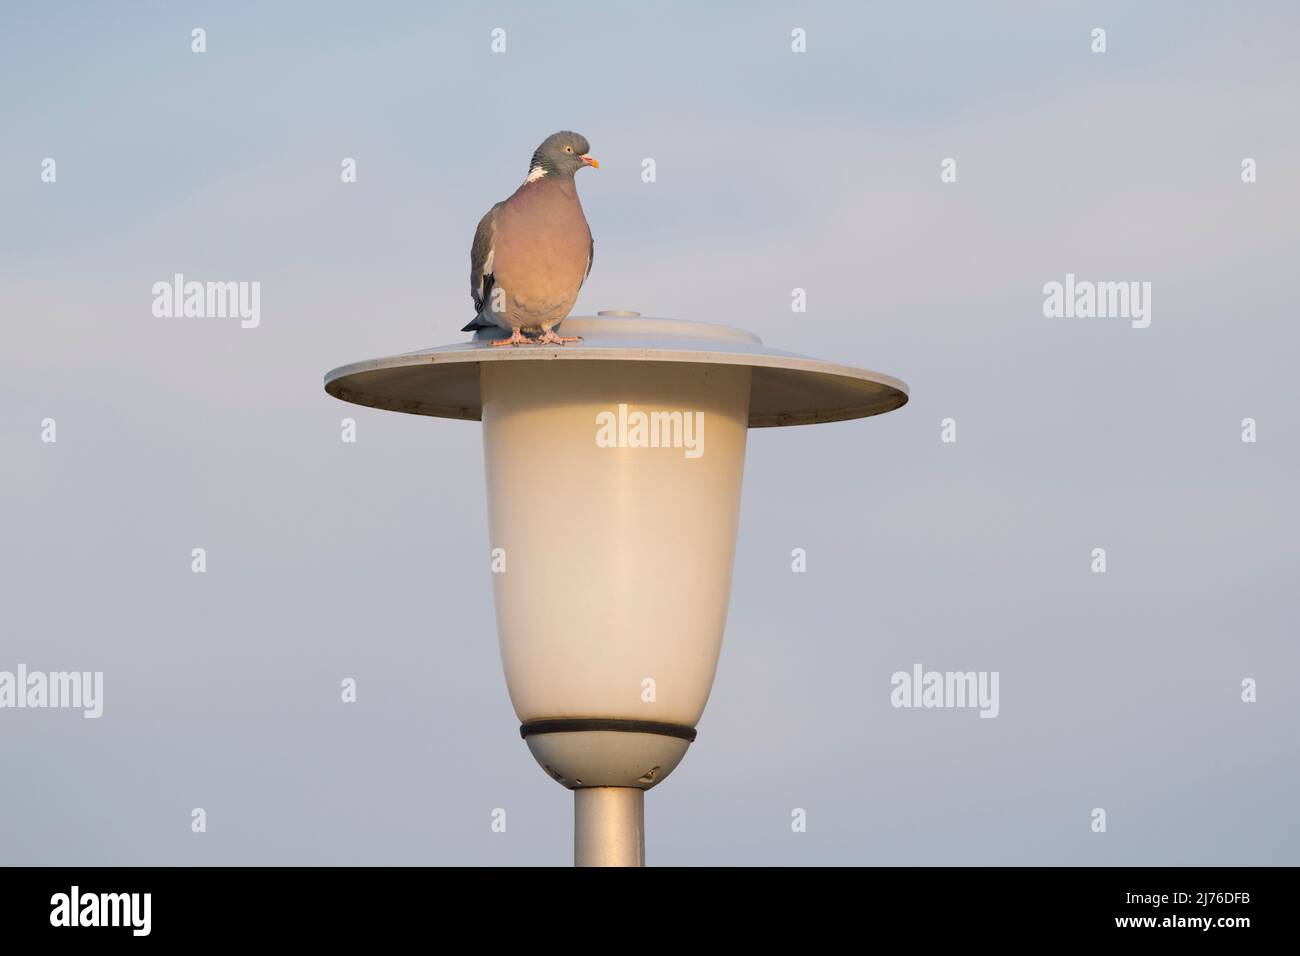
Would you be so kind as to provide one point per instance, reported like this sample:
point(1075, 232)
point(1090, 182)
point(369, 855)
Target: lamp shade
point(614, 470)
point(613, 496)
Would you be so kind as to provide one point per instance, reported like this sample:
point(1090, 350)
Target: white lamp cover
point(614, 471)
point(617, 554)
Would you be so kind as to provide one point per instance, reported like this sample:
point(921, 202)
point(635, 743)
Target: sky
point(775, 171)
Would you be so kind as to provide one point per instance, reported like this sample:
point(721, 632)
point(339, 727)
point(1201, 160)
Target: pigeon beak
point(589, 161)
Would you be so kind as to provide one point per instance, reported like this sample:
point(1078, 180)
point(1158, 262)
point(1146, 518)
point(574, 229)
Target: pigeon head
point(561, 154)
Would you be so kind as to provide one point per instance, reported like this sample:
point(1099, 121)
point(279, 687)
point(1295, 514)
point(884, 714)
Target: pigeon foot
point(550, 338)
point(518, 338)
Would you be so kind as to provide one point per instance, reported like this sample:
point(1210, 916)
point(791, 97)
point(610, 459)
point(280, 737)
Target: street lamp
point(614, 470)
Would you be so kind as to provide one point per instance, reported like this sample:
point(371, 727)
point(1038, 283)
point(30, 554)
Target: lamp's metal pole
point(609, 826)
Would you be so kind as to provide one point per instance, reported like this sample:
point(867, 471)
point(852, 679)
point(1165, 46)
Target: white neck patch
point(534, 174)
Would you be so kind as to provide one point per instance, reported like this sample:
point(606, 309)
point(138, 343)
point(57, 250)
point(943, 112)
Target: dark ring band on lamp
point(568, 725)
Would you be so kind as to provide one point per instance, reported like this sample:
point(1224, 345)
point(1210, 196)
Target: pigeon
point(532, 252)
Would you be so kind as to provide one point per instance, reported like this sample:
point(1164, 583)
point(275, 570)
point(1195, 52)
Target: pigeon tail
point(477, 323)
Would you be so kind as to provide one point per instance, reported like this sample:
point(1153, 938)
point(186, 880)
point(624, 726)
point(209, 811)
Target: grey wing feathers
point(480, 267)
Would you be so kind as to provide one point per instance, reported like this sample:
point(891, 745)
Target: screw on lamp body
point(648, 545)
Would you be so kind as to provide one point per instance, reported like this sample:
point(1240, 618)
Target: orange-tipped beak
point(589, 161)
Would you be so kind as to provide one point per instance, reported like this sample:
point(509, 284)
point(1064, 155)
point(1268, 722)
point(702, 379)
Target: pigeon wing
point(481, 255)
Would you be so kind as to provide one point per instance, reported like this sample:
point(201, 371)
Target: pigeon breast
point(541, 251)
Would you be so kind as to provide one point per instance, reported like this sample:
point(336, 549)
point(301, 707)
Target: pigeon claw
point(550, 338)
point(518, 338)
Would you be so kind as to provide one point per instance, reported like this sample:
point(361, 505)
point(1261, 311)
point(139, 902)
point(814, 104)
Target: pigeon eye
point(568, 149)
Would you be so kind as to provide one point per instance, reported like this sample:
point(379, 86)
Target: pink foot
point(518, 338)
point(550, 338)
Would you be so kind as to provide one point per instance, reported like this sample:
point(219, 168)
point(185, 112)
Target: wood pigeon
point(533, 251)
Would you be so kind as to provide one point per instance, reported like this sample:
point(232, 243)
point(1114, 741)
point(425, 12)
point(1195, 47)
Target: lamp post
point(614, 471)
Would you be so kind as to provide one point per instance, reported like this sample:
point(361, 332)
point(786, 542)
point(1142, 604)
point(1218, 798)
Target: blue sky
point(775, 171)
